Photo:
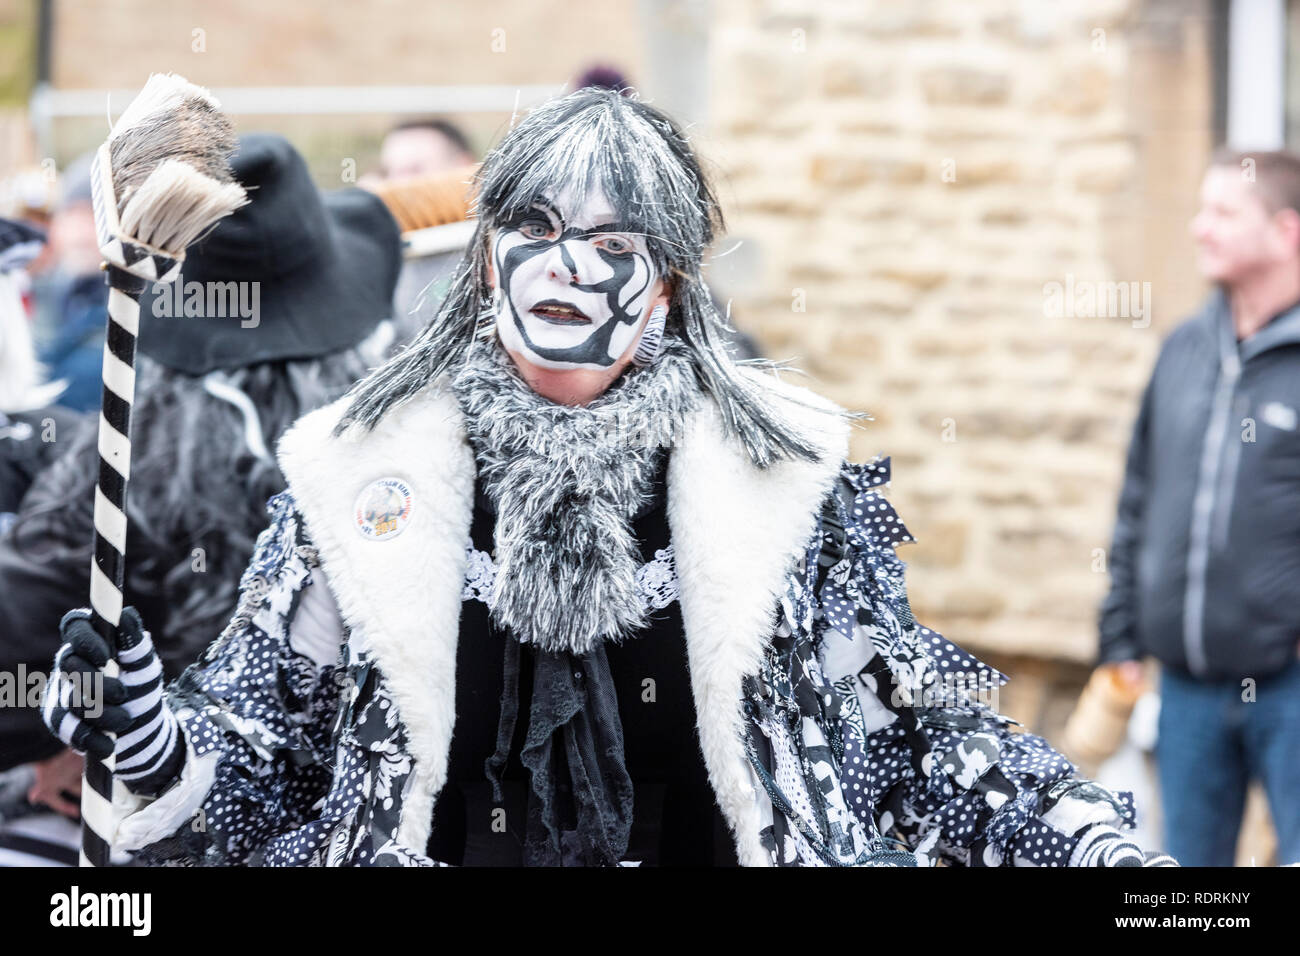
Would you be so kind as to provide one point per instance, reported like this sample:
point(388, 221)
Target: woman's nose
point(561, 265)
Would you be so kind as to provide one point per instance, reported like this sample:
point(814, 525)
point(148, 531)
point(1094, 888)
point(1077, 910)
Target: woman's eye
point(535, 228)
point(615, 245)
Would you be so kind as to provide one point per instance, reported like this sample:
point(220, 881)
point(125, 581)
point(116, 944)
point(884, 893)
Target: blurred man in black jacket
point(1205, 564)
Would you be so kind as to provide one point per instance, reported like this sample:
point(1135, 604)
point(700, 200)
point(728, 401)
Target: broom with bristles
point(160, 180)
point(432, 211)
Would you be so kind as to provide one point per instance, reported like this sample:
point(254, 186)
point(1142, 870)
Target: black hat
point(312, 272)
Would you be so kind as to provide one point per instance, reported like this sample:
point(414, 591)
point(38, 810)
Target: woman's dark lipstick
point(559, 313)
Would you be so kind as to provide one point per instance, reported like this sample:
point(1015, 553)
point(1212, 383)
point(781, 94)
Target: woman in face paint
point(573, 294)
point(593, 213)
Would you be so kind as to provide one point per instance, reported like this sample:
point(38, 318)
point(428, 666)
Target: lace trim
point(657, 578)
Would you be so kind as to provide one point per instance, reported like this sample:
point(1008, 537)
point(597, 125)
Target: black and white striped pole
point(159, 182)
point(130, 268)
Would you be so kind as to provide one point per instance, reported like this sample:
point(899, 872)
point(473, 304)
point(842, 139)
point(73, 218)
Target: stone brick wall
point(250, 43)
point(907, 179)
point(338, 42)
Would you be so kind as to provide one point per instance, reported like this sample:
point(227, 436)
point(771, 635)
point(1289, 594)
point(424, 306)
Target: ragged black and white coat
point(319, 723)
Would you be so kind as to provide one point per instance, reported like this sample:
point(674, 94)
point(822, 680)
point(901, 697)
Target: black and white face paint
point(571, 288)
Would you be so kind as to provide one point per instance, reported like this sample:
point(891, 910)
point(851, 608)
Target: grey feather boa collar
point(566, 482)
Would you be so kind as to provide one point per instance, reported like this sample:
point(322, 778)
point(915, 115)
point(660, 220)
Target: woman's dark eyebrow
point(548, 206)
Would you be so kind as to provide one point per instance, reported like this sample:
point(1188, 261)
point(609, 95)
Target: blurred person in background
point(71, 297)
point(1206, 553)
point(216, 387)
point(32, 432)
point(424, 146)
point(31, 427)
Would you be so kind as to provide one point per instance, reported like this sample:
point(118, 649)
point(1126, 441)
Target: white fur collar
point(735, 531)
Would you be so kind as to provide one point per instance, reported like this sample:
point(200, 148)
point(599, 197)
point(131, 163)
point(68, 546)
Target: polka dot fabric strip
point(920, 766)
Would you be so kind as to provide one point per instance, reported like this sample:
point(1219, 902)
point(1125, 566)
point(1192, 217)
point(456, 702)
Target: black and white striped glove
point(1102, 845)
point(83, 706)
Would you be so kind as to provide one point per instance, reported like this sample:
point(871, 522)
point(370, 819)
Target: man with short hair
point(422, 147)
point(1206, 554)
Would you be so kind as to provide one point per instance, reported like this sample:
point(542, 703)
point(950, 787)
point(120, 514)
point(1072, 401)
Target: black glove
point(82, 706)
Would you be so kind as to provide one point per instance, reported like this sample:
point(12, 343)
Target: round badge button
point(383, 509)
